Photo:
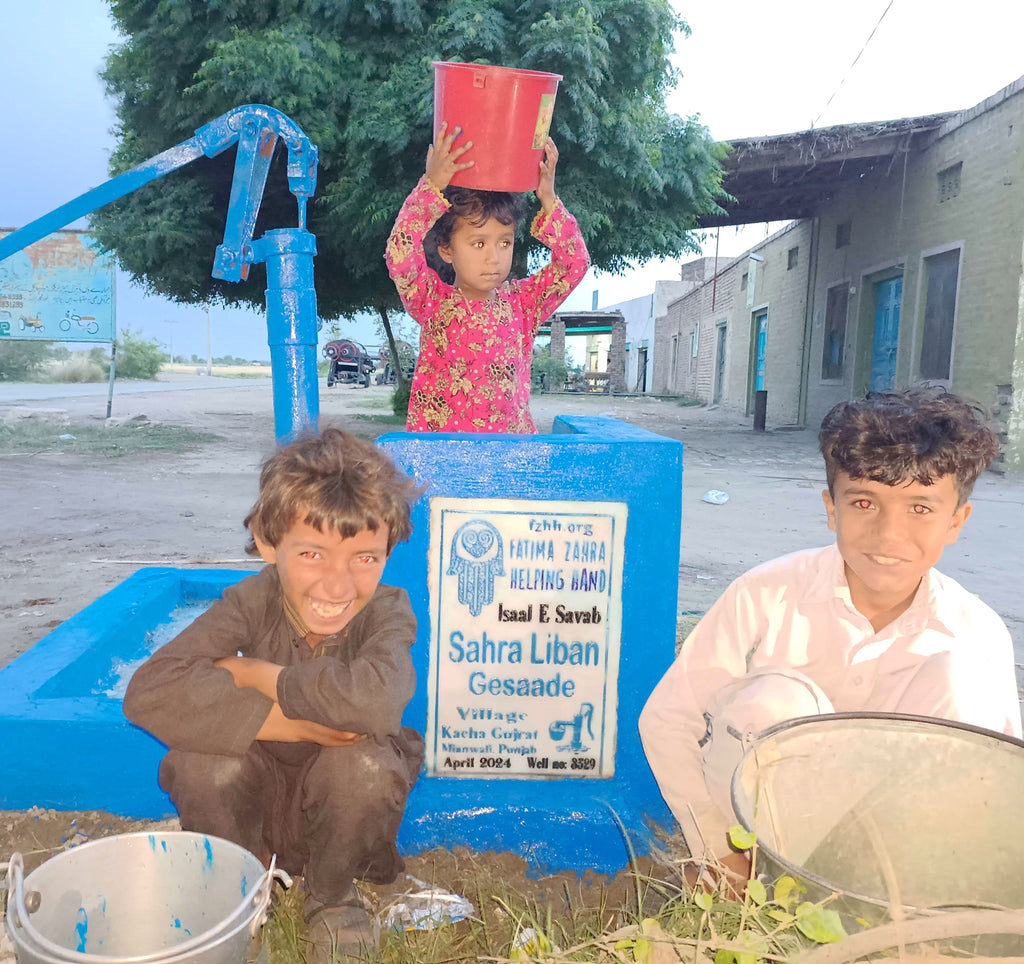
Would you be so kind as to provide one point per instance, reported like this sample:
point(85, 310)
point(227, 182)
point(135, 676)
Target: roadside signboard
point(58, 289)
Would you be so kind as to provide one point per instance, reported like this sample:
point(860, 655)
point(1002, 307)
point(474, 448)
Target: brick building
point(903, 265)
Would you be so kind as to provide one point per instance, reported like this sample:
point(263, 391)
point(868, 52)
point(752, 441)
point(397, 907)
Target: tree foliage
point(136, 357)
point(548, 373)
point(356, 76)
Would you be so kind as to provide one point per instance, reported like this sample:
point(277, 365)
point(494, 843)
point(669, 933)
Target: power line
point(854, 64)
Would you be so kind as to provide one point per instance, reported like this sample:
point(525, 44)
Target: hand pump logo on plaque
point(526, 618)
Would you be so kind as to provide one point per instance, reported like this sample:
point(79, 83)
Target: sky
point(749, 68)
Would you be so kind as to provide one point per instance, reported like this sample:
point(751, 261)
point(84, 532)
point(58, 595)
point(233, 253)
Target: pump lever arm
point(163, 163)
point(256, 128)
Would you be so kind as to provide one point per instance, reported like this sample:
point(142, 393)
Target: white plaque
point(525, 623)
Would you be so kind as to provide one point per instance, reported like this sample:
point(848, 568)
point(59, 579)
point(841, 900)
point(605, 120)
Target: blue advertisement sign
point(58, 289)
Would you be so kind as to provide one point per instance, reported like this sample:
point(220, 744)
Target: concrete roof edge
point(989, 103)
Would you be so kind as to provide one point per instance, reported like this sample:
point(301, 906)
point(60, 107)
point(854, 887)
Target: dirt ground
point(74, 527)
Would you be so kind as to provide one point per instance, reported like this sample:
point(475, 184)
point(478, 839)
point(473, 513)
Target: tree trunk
point(396, 362)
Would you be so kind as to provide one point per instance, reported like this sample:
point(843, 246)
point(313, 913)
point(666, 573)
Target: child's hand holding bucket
point(443, 157)
point(546, 187)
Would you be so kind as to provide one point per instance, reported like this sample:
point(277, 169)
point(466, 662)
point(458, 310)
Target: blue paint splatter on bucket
point(245, 885)
point(152, 842)
point(82, 930)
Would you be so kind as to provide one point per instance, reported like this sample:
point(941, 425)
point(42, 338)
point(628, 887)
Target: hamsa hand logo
point(476, 557)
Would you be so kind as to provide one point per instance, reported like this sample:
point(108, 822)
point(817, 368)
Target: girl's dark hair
point(919, 435)
point(475, 206)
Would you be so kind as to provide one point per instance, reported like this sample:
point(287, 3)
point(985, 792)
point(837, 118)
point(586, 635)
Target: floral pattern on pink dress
point(473, 372)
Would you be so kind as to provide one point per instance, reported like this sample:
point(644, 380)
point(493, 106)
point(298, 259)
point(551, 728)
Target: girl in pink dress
point(477, 326)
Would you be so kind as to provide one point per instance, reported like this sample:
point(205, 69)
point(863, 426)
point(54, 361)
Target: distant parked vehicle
point(349, 363)
point(406, 356)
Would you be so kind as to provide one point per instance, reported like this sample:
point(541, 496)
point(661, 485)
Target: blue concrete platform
point(67, 746)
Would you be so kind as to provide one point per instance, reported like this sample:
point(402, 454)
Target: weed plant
point(400, 399)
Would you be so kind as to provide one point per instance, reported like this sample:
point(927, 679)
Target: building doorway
point(716, 395)
point(641, 370)
point(942, 272)
point(758, 358)
point(888, 295)
point(760, 349)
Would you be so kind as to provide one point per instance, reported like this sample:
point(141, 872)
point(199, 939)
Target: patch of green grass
point(501, 915)
point(114, 442)
point(375, 401)
point(666, 920)
point(382, 419)
point(285, 932)
point(256, 374)
point(686, 401)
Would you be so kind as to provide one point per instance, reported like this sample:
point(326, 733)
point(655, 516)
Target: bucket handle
point(260, 898)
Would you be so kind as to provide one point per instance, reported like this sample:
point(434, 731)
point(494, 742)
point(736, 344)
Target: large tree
point(356, 76)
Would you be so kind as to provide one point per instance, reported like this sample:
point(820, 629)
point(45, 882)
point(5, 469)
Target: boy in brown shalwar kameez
point(282, 704)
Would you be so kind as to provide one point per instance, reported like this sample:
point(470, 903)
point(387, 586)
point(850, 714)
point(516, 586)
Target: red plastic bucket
point(506, 113)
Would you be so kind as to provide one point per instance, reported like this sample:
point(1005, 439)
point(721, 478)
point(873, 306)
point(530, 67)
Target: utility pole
point(170, 336)
point(209, 353)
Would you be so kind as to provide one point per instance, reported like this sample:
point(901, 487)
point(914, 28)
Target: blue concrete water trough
point(66, 744)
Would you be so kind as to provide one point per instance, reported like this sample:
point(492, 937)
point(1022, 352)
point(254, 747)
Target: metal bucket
point(143, 898)
point(888, 811)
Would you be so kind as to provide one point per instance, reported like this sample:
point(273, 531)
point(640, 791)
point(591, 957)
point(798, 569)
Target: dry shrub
point(77, 369)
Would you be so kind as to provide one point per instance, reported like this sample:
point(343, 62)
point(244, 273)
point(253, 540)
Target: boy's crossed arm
point(261, 675)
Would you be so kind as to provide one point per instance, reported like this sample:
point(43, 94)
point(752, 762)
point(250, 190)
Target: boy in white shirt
point(865, 624)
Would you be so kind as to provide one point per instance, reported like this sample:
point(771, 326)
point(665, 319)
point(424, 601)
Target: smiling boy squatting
point(281, 705)
point(866, 624)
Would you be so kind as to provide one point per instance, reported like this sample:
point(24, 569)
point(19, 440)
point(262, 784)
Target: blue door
point(887, 330)
point(761, 321)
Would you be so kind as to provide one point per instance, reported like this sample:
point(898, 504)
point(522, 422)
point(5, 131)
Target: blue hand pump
point(287, 252)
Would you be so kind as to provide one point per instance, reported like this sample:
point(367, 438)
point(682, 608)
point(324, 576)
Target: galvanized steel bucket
point(889, 815)
point(139, 898)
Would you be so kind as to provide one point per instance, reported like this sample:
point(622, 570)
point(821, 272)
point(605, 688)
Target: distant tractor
point(349, 363)
point(406, 356)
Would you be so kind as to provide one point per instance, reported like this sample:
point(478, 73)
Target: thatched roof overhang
point(790, 176)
